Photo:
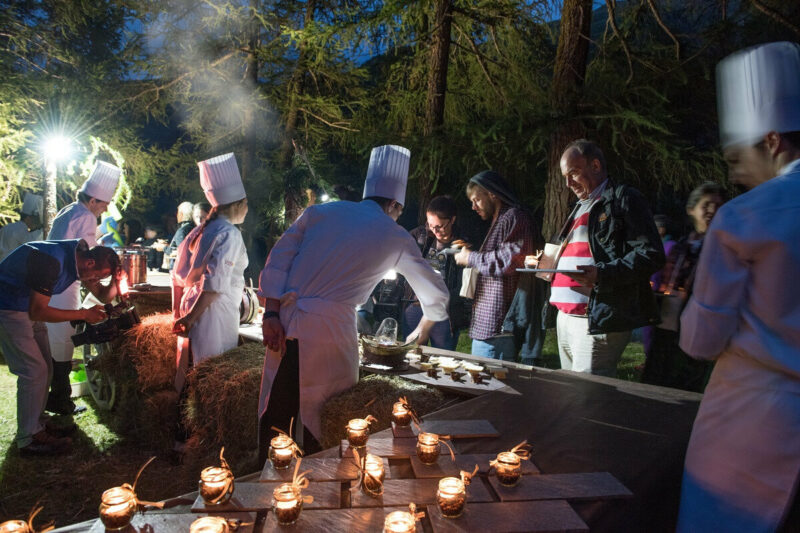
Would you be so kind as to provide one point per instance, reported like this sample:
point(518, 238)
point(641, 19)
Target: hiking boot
point(45, 444)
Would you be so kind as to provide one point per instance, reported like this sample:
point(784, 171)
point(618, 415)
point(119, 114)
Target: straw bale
point(151, 347)
point(151, 304)
point(385, 390)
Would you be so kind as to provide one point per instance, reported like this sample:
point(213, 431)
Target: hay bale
point(222, 404)
point(385, 390)
point(151, 303)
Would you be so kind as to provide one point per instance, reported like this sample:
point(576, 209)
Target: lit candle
point(358, 432)
point(287, 504)
point(428, 448)
point(209, 524)
point(508, 468)
point(374, 474)
point(451, 497)
point(216, 485)
point(400, 414)
point(15, 526)
point(117, 507)
point(400, 522)
point(281, 451)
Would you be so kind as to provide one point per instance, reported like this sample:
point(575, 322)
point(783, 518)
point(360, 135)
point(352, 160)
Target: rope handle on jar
point(300, 481)
point(295, 448)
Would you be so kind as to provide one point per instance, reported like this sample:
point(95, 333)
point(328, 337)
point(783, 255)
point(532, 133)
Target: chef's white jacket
point(216, 263)
point(743, 461)
point(323, 266)
point(16, 234)
point(74, 221)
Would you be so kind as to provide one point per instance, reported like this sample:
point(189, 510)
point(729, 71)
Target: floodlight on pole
point(55, 148)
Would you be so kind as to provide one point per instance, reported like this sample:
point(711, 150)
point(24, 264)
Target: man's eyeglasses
point(437, 229)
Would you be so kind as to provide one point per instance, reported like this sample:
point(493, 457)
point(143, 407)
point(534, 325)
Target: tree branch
point(625, 48)
point(664, 27)
point(775, 15)
point(479, 57)
point(331, 124)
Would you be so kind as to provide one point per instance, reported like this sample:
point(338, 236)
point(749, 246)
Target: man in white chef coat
point(77, 220)
point(28, 228)
point(743, 463)
point(322, 267)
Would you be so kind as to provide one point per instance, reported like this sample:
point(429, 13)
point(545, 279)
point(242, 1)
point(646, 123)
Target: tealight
point(117, 507)
point(281, 451)
point(400, 522)
point(508, 468)
point(15, 526)
point(210, 524)
point(428, 448)
point(401, 416)
point(451, 497)
point(374, 475)
point(287, 503)
point(358, 432)
point(216, 485)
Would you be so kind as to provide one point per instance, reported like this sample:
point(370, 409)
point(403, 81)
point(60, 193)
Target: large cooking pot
point(248, 309)
point(134, 262)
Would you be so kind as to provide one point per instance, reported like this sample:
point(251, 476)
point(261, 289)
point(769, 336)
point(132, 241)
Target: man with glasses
point(433, 239)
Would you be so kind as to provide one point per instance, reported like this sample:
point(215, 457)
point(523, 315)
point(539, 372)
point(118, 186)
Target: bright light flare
point(324, 197)
point(57, 148)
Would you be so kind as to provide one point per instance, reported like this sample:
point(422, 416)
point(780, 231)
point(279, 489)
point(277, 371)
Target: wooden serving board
point(446, 467)
point(366, 520)
point(322, 469)
point(384, 447)
point(174, 523)
point(461, 429)
point(464, 384)
point(515, 517)
point(574, 487)
point(401, 492)
point(258, 497)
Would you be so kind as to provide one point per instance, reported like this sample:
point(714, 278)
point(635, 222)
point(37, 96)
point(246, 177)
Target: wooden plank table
point(446, 467)
point(365, 520)
point(419, 491)
point(258, 497)
point(514, 517)
point(161, 522)
point(322, 469)
point(573, 487)
point(384, 447)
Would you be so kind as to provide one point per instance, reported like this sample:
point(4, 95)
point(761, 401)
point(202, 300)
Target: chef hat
point(387, 175)
point(32, 205)
point(758, 91)
point(102, 182)
point(220, 179)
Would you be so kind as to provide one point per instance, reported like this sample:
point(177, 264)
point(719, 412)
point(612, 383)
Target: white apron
point(327, 351)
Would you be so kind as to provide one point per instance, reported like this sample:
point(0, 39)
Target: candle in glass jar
point(15, 526)
point(357, 432)
point(508, 468)
point(400, 414)
point(451, 497)
point(286, 504)
point(428, 448)
point(209, 524)
point(216, 485)
point(117, 507)
point(374, 474)
point(400, 522)
point(281, 452)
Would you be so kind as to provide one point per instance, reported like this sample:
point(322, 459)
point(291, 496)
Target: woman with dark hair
point(667, 365)
point(208, 277)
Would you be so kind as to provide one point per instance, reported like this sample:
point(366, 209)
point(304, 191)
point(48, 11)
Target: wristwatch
point(271, 314)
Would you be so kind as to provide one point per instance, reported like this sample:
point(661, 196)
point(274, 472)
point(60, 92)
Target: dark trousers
point(60, 389)
point(284, 403)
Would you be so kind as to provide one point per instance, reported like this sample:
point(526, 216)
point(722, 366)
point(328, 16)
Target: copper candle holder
point(358, 431)
point(117, 507)
point(282, 450)
point(451, 497)
point(210, 524)
point(428, 450)
point(287, 502)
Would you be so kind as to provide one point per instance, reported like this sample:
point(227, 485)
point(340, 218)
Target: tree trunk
point(292, 195)
point(568, 75)
point(437, 88)
point(50, 207)
point(250, 144)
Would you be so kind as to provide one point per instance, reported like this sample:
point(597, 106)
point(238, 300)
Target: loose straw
point(36, 510)
point(300, 481)
point(466, 477)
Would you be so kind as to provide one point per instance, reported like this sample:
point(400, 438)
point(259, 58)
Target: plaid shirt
point(503, 251)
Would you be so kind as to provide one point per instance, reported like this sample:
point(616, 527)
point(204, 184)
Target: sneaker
point(45, 444)
point(68, 408)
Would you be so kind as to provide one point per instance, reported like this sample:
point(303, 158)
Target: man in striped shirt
point(612, 245)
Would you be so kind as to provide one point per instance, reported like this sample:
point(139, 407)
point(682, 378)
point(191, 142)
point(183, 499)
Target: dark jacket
point(627, 250)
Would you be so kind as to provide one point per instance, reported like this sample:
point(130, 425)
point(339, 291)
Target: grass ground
point(69, 487)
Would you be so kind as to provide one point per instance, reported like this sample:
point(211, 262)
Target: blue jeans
point(441, 336)
point(502, 347)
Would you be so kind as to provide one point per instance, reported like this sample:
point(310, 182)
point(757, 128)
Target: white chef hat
point(387, 175)
point(758, 91)
point(102, 182)
point(220, 179)
point(32, 205)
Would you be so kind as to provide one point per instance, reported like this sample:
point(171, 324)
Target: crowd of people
point(723, 293)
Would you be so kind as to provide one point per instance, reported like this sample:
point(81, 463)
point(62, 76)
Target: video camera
point(121, 317)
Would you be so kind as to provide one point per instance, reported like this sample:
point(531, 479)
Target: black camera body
point(121, 317)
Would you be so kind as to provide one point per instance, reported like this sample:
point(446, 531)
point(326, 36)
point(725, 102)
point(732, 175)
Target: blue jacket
point(17, 277)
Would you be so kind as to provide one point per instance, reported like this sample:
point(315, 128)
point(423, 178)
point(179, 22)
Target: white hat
point(102, 182)
point(32, 205)
point(758, 91)
point(387, 175)
point(220, 180)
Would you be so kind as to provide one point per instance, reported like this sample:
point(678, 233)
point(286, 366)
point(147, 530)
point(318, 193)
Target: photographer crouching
point(29, 277)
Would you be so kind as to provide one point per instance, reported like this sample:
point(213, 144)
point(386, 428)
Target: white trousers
point(27, 352)
point(581, 351)
point(60, 333)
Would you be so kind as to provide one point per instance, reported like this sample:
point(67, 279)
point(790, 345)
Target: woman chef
point(322, 267)
point(208, 277)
